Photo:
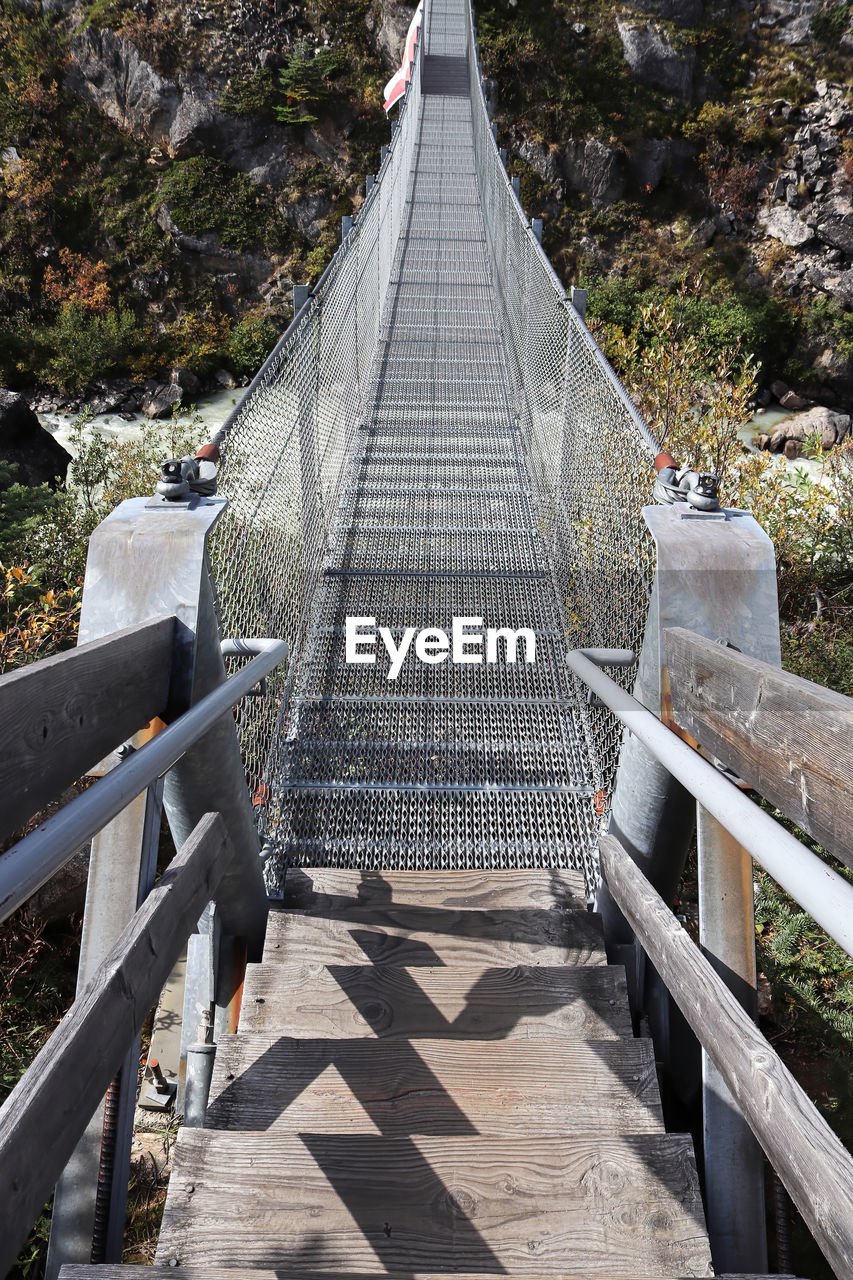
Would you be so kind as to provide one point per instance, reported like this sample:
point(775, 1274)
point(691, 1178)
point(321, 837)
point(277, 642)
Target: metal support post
point(495, 132)
point(734, 1164)
point(369, 184)
point(346, 226)
point(578, 298)
point(301, 294)
point(716, 574)
point(516, 186)
point(536, 228)
point(383, 151)
point(502, 154)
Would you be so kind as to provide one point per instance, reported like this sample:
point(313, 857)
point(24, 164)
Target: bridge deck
point(450, 765)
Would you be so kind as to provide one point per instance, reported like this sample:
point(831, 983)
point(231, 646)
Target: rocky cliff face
point(656, 137)
point(664, 137)
point(168, 171)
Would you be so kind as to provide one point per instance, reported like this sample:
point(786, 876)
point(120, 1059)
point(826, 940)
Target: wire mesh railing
point(589, 453)
point(286, 446)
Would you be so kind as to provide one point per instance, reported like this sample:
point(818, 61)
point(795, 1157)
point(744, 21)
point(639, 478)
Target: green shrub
point(829, 25)
point(249, 343)
point(205, 195)
point(81, 346)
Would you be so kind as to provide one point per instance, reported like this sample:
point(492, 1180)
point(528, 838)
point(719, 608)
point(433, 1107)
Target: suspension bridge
point(472, 668)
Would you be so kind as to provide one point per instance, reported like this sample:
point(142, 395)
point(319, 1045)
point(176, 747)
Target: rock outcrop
point(654, 61)
point(830, 429)
point(23, 440)
point(388, 24)
point(179, 117)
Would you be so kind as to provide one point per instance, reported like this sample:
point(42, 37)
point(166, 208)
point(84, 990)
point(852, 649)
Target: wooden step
point(404, 935)
point(325, 889)
point(131, 1271)
point(435, 1087)
point(626, 1206)
point(444, 1003)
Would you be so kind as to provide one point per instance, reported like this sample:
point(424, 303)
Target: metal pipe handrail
point(825, 895)
point(33, 860)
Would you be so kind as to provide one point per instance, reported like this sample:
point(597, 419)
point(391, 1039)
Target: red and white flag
point(396, 86)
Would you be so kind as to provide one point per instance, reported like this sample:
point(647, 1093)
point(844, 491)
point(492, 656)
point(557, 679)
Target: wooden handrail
point(44, 1116)
point(790, 739)
point(812, 1163)
point(62, 715)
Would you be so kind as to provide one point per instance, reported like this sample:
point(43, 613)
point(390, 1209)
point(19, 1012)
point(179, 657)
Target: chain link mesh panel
point(588, 452)
point(286, 447)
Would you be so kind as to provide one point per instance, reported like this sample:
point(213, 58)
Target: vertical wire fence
point(589, 453)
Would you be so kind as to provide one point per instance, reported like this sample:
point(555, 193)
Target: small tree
point(307, 82)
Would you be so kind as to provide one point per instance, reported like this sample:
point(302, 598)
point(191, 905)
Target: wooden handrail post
point(41, 1121)
point(734, 1165)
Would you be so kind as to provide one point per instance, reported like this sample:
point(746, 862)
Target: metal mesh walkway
point(448, 765)
point(407, 455)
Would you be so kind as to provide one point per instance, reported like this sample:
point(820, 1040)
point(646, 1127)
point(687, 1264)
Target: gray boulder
point(185, 379)
point(653, 60)
point(108, 71)
point(832, 427)
point(838, 233)
point(23, 440)
point(177, 119)
point(785, 225)
point(543, 160)
point(160, 402)
point(308, 213)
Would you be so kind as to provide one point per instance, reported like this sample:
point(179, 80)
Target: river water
point(211, 410)
point(765, 424)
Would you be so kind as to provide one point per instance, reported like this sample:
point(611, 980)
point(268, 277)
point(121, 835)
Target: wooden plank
point(62, 715)
point(623, 1206)
point(790, 739)
point(44, 1116)
point(434, 935)
point(810, 1160)
point(325, 889)
point(444, 1003)
point(435, 1087)
point(130, 1271)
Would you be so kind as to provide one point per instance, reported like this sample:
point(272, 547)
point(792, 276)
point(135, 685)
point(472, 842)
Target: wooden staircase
point(435, 1073)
